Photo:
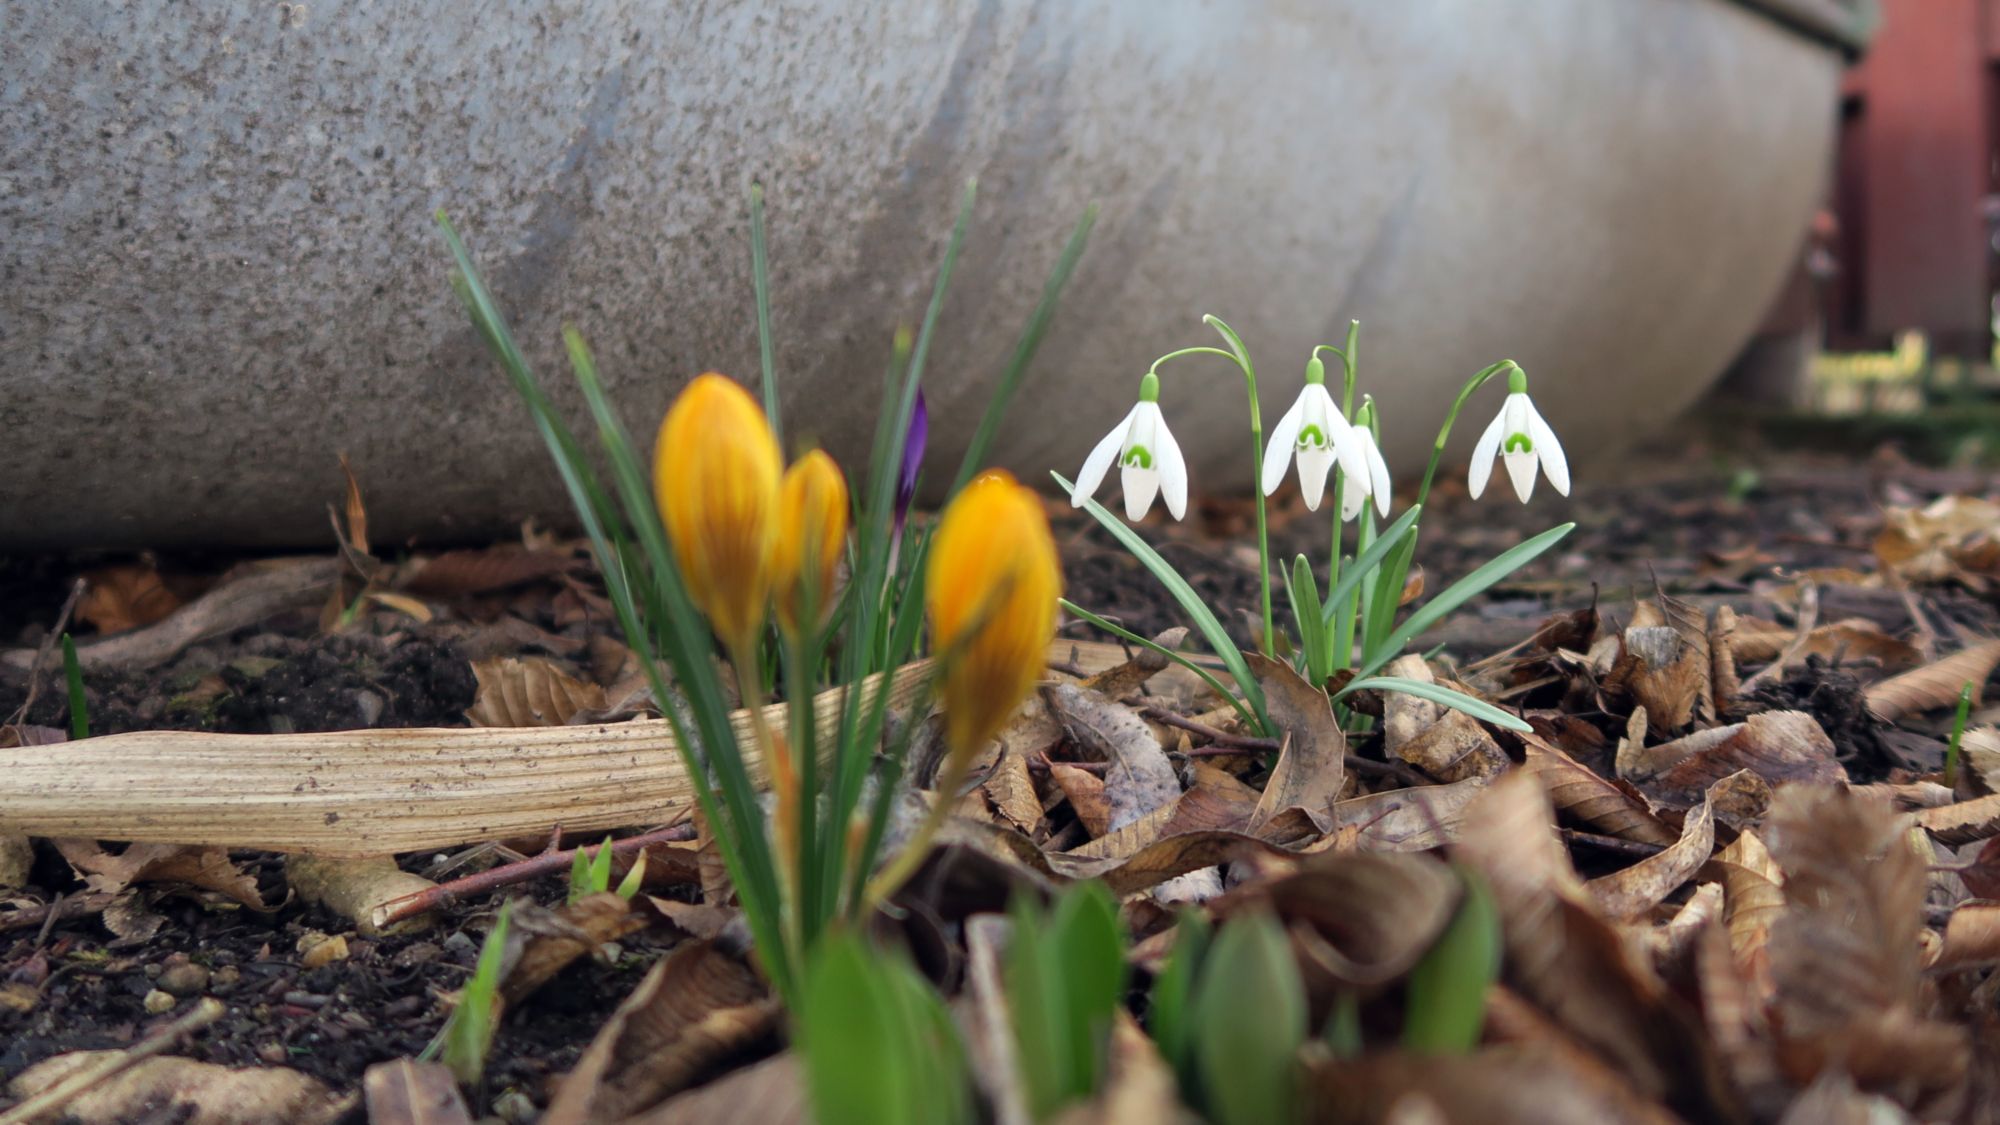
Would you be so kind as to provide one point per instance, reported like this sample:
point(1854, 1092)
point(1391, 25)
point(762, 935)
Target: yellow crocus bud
point(715, 478)
point(812, 532)
point(991, 588)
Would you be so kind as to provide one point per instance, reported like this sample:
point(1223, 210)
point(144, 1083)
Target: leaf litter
point(1730, 885)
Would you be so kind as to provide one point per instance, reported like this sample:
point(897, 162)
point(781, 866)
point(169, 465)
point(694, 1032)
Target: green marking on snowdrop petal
point(1138, 455)
point(1520, 440)
point(1311, 437)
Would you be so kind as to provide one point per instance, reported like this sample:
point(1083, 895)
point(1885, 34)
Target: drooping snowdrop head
point(1518, 436)
point(1314, 435)
point(1367, 474)
point(1149, 459)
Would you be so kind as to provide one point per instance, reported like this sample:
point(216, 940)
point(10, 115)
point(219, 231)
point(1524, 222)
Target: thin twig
point(42, 653)
point(62, 910)
point(1613, 844)
point(1217, 736)
point(45, 1104)
point(507, 875)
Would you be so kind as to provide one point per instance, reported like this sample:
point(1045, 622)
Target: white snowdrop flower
point(1149, 459)
point(1314, 434)
point(1372, 481)
point(1520, 437)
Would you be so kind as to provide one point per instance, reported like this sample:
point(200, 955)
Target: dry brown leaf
point(771, 1092)
point(1357, 919)
point(528, 692)
point(1312, 765)
point(406, 1092)
point(1011, 791)
point(1962, 823)
point(207, 868)
point(1413, 820)
point(558, 938)
point(1122, 680)
point(1672, 942)
point(1724, 684)
point(1085, 792)
point(1512, 1085)
point(186, 1091)
point(1754, 899)
point(1138, 779)
point(1664, 665)
point(1952, 538)
point(17, 855)
point(1935, 686)
point(1971, 938)
point(1165, 859)
point(1445, 743)
point(1582, 793)
point(697, 1008)
point(357, 889)
point(1845, 955)
point(1633, 892)
point(125, 596)
point(1779, 746)
point(1560, 955)
point(1833, 1100)
point(455, 574)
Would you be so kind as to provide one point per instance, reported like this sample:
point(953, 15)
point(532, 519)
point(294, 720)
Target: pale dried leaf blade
point(197, 1093)
point(406, 1092)
point(1138, 779)
point(1935, 686)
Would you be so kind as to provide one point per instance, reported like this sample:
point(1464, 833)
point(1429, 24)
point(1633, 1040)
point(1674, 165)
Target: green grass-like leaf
point(1446, 1005)
point(1190, 602)
point(1207, 677)
point(1169, 1014)
point(468, 1032)
point(879, 1046)
point(79, 705)
point(1460, 592)
point(760, 283)
point(1249, 1022)
point(1065, 976)
point(1440, 694)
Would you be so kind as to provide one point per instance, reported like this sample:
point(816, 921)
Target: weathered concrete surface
point(220, 269)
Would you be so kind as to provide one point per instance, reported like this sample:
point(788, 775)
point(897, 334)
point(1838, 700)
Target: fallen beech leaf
point(1312, 765)
point(454, 574)
point(183, 1090)
point(129, 920)
point(1779, 746)
point(1358, 919)
point(357, 889)
point(1664, 665)
point(1138, 779)
point(1121, 680)
point(1669, 944)
point(1962, 823)
point(1845, 954)
point(697, 1008)
point(1935, 686)
point(1512, 1085)
point(1446, 744)
point(126, 596)
point(1012, 792)
point(1754, 899)
point(1166, 858)
point(1979, 749)
point(207, 868)
point(1724, 684)
point(557, 938)
point(1085, 791)
point(528, 692)
point(1633, 892)
point(1982, 875)
point(1414, 820)
point(1601, 804)
point(1971, 938)
point(1833, 1100)
point(1952, 538)
point(406, 1092)
point(771, 1092)
point(1560, 956)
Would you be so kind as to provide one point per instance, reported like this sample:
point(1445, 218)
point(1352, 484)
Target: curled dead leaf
point(1634, 891)
point(1446, 744)
point(206, 868)
point(1935, 686)
point(1312, 764)
point(528, 692)
point(1779, 746)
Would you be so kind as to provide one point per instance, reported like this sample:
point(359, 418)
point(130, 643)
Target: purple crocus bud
point(913, 457)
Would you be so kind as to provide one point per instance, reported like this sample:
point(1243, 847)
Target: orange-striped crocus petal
point(991, 587)
point(715, 478)
point(812, 533)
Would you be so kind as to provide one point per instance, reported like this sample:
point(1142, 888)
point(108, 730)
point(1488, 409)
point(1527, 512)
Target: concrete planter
point(221, 272)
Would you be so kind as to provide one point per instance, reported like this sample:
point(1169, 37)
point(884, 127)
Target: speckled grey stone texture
point(220, 270)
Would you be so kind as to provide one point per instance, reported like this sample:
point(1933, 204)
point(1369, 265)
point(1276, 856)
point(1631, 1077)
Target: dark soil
point(73, 985)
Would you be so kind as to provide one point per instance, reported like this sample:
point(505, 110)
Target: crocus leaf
point(1438, 693)
point(1446, 1007)
point(1250, 1019)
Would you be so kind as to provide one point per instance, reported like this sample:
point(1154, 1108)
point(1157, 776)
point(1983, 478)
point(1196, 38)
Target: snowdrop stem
point(1349, 361)
point(1486, 375)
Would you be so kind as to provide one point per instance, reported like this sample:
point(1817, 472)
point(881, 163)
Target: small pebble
point(272, 1053)
point(185, 979)
point(515, 1108)
point(224, 980)
point(158, 1002)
